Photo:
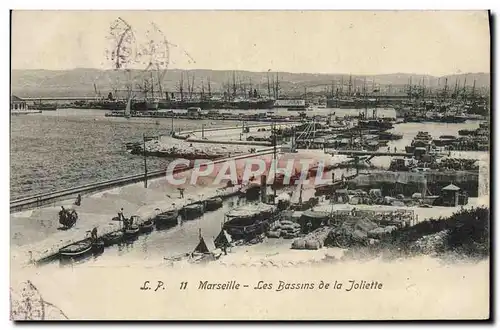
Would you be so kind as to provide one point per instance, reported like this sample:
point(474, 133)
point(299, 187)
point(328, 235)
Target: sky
point(356, 42)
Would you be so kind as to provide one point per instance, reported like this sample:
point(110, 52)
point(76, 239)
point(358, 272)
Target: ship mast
point(192, 87)
point(349, 90)
point(277, 86)
point(274, 88)
point(234, 84)
point(152, 86)
point(464, 91)
point(268, 85)
point(445, 92)
point(181, 86)
point(209, 89)
point(366, 103)
point(410, 90)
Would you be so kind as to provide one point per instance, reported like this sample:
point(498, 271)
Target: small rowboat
point(82, 248)
point(146, 226)
point(167, 219)
point(112, 238)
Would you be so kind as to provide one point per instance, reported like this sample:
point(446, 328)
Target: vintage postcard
point(250, 165)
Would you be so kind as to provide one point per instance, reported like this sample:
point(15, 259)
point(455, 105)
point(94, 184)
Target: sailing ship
point(445, 109)
point(240, 98)
point(352, 99)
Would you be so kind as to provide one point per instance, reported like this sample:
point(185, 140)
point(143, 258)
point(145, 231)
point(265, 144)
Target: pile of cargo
point(361, 227)
point(312, 241)
point(286, 229)
point(457, 164)
point(379, 232)
point(477, 143)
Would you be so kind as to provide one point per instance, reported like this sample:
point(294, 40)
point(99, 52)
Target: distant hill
point(80, 82)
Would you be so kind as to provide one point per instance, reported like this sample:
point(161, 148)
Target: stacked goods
point(352, 231)
point(381, 231)
point(274, 233)
point(457, 164)
point(287, 229)
point(312, 245)
point(299, 244)
point(312, 241)
point(467, 132)
point(478, 143)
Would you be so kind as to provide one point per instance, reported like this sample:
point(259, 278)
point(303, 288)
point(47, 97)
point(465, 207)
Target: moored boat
point(112, 238)
point(249, 220)
point(251, 191)
point(192, 211)
point(146, 226)
point(131, 231)
point(213, 203)
point(81, 248)
point(167, 219)
point(131, 227)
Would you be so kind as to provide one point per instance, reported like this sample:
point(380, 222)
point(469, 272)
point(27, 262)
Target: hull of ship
point(250, 105)
point(144, 106)
point(184, 105)
point(402, 113)
point(209, 105)
point(112, 105)
point(44, 107)
point(342, 104)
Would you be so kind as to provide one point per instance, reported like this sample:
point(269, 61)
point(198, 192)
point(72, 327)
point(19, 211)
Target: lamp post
point(144, 137)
